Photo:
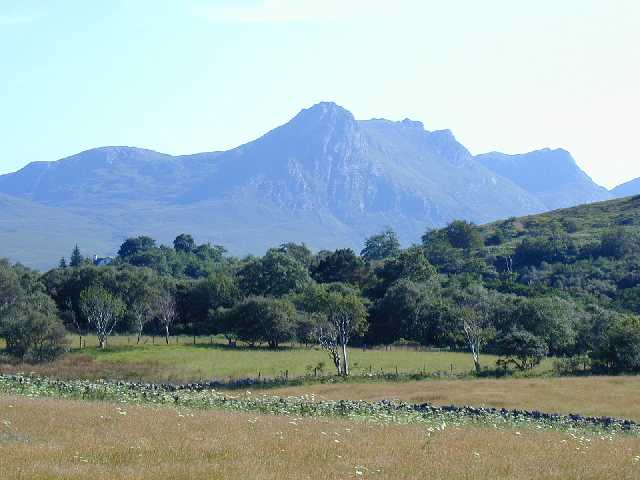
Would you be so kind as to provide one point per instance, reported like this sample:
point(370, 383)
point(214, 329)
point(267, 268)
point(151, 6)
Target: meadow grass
point(211, 359)
point(46, 439)
point(598, 396)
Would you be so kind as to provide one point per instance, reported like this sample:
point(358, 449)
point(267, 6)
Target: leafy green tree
point(31, 335)
point(29, 319)
point(102, 310)
point(342, 265)
point(346, 316)
point(299, 251)
point(411, 264)
point(10, 288)
point(184, 243)
point(275, 274)
point(558, 247)
point(261, 319)
point(380, 246)
point(462, 234)
point(522, 349)
point(550, 318)
point(408, 310)
point(475, 314)
point(196, 299)
point(135, 246)
point(619, 348)
point(306, 327)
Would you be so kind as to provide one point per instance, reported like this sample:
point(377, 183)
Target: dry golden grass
point(54, 439)
point(611, 396)
point(86, 367)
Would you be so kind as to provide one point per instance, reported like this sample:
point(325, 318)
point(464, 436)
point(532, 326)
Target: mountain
point(552, 176)
point(323, 178)
point(627, 189)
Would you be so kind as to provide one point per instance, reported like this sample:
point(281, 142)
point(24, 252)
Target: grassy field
point(186, 362)
point(599, 396)
point(45, 439)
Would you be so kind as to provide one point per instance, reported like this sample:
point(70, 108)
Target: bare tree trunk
point(166, 333)
point(476, 359)
point(138, 340)
point(345, 360)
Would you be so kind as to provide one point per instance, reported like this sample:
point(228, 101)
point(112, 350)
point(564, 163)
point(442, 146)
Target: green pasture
point(210, 358)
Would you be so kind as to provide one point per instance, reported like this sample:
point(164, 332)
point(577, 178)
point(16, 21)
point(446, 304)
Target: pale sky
point(202, 75)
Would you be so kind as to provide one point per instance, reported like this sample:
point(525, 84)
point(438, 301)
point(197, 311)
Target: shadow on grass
point(96, 351)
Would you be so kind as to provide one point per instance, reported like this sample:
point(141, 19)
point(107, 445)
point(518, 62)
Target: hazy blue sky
point(200, 75)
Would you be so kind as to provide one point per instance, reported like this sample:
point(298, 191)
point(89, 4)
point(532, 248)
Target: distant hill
point(323, 178)
point(627, 189)
point(552, 176)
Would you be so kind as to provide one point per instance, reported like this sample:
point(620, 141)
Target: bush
point(522, 349)
point(618, 243)
point(463, 235)
point(34, 336)
point(571, 365)
point(550, 249)
point(259, 319)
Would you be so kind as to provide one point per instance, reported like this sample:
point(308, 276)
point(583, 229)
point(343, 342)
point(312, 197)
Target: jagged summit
point(323, 111)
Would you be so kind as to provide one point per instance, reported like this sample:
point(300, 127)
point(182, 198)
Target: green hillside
point(584, 224)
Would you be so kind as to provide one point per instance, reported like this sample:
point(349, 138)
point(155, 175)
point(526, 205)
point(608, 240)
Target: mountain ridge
point(323, 177)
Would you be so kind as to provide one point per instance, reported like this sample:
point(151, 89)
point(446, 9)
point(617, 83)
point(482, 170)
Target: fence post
point(286, 375)
point(194, 339)
point(396, 370)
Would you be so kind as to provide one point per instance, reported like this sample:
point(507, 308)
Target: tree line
point(521, 294)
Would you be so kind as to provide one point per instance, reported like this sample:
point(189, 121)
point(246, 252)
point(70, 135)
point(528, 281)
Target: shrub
point(34, 336)
point(571, 365)
point(522, 349)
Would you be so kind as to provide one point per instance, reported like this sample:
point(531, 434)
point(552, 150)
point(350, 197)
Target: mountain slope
point(38, 236)
point(551, 175)
point(323, 178)
point(627, 189)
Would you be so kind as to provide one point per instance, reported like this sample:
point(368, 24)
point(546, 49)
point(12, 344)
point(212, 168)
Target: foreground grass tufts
point(308, 406)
